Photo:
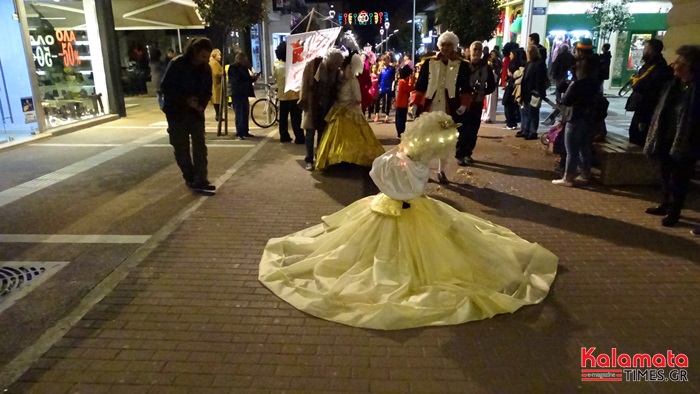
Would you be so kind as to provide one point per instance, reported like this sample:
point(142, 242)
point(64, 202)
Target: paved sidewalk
point(192, 316)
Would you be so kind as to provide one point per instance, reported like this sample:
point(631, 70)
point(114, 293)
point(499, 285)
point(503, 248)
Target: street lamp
point(413, 32)
point(386, 26)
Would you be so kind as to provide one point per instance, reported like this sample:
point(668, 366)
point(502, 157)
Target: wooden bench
point(622, 163)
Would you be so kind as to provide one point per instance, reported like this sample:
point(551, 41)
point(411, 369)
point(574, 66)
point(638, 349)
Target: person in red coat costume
point(365, 80)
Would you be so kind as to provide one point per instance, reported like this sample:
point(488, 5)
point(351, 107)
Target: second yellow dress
point(348, 137)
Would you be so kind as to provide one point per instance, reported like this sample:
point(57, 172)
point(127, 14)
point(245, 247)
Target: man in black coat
point(535, 40)
point(186, 90)
point(647, 85)
point(561, 68)
point(444, 85)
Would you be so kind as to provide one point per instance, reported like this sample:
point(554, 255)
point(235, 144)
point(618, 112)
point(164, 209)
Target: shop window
point(64, 62)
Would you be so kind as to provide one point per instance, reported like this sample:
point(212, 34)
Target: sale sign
point(303, 47)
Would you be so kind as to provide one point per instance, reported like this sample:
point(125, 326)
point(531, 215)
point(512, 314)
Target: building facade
point(54, 70)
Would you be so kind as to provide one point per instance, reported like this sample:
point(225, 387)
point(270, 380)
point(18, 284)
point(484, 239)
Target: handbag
point(535, 101)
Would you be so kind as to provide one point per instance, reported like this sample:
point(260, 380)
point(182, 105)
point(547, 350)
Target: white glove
point(462, 109)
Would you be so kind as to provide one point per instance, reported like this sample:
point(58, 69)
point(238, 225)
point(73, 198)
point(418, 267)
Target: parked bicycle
point(625, 89)
point(264, 112)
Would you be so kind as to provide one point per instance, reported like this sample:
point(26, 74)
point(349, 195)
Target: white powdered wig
point(433, 135)
point(448, 37)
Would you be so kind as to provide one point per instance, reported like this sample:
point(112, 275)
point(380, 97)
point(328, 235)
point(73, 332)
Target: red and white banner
point(303, 47)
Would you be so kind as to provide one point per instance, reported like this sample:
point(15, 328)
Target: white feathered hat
point(448, 37)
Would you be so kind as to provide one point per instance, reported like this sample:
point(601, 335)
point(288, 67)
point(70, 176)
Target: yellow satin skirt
point(393, 267)
point(348, 138)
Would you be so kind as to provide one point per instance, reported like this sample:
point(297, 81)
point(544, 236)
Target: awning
point(128, 14)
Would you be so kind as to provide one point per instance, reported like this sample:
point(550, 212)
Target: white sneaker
point(563, 182)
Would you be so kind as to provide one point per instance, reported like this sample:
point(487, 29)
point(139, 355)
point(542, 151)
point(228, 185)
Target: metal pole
point(179, 40)
point(263, 44)
point(413, 32)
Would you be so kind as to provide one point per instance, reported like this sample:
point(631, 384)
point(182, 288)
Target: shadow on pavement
point(618, 232)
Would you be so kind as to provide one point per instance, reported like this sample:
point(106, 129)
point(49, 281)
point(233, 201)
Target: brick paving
point(193, 318)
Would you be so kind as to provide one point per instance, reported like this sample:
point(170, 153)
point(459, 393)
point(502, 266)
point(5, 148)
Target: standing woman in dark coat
point(241, 80)
point(674, 134)
point(534, 84)
point(510, 105)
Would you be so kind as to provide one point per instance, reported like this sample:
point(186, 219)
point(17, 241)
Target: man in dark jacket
point(241, 81)
point(186, 89)
point(605, 60)
point(482, 80)
point(647, 85)
point(535, 40)
point(561, 68)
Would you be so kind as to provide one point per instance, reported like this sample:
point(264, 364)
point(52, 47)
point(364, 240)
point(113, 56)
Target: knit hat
point(585, 43)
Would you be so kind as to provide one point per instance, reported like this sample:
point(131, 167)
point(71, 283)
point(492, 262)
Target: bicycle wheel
point(625, 89)
point(264, 113)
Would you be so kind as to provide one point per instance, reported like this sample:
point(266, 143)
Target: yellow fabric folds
point(431, 265)
point(348, 138)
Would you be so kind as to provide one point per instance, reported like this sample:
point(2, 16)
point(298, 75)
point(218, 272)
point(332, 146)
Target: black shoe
point(442, 178)
point(659, 210)
point(309, 167)
point(202, 186)
point(300, 141)
point(462, 162)
point(285, 139)
point(671, 219)
point(521, 134)
point(531, 136)
point(240, 137)
point(249, 135)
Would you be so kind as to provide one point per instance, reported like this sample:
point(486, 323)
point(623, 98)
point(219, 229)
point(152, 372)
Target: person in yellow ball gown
point(348, 137)
point(401, 259)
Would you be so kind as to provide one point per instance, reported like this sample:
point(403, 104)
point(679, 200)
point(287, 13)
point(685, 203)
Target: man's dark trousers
point(182, 127)
point(471, 121)
point(290, 108)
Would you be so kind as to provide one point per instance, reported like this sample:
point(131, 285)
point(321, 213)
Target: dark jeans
point(675, 180)
point(401, 117)
point(578, 139)
point(374, 107)
point(182, 127)
point(385, 99)
point(530, 119)
point(310, 143)
point(510, 110)
point(217, 109)
point(242, 110)
point(290, 108)
point(471, 121)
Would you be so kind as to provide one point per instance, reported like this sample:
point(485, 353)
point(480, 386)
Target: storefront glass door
point(17, 107)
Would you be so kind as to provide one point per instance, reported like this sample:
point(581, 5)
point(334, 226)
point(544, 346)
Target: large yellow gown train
point(401, 259)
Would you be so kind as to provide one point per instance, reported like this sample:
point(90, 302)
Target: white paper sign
point(303, 47)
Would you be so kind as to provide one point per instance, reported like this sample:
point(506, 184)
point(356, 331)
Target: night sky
point(399, 11)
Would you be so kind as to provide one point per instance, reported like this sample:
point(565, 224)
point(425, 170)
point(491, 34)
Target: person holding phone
point(241, 79)
point(561, 69)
